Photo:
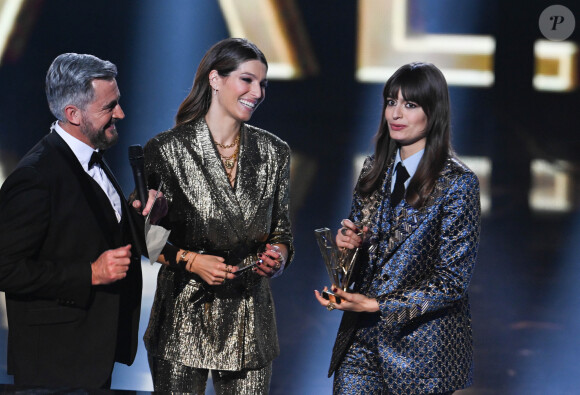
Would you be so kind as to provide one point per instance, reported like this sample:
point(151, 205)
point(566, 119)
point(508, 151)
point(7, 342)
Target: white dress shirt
point(410, 164)
point(83, 152)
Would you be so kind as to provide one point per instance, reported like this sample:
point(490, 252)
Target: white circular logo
point(557, 23)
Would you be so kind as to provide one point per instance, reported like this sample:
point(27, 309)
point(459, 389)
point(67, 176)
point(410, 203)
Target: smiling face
point(239, 93)
point(407, 123)
point(98, 119)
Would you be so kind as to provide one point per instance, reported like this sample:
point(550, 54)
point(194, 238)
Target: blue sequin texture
point(418, 270)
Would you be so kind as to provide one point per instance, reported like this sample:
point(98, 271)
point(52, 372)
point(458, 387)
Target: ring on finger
point(330, 306)
point(343, 231)
point(228, 269)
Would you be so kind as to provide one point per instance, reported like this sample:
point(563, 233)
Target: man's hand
point(111, 266)
point(157, 207)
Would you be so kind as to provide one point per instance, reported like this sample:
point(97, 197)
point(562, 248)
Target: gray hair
point(69, 81)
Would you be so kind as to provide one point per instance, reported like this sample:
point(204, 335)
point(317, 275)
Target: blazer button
point(385, 277)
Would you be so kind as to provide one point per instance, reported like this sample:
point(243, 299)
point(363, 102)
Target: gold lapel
point(253, 174)
point(216, 177)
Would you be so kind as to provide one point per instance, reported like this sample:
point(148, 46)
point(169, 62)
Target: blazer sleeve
point(453, 257)
point(157, 168)
point(281, 226)
point(25, 219)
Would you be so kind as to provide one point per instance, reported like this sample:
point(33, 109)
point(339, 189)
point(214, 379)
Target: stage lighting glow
point(277, 29)
point(385, 43)
point(556, 65)
point(9, 10)
point(2, 176)
point(552, 186)
point(3, 319)
point(481, 166)
point(357, 165)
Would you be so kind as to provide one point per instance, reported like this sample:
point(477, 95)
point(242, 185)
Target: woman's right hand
point(349, 301)
point(210, 268)
point(348, 235)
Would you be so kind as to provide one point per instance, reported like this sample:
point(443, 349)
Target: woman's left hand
point(271, 262)
point(349, 301)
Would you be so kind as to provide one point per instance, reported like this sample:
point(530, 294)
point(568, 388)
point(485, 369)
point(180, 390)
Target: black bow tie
point(96, 158)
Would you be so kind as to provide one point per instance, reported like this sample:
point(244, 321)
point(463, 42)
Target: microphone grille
point(135, 152)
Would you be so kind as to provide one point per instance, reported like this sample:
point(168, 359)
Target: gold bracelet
point(189, 263)
point(193, 260)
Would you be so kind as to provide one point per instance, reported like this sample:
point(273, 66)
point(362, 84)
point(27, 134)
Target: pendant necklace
point(230, 161)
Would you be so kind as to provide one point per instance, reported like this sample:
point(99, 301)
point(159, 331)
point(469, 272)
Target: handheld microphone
point(136, 160)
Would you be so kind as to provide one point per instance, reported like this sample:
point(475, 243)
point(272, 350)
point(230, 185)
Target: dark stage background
point(524, 291)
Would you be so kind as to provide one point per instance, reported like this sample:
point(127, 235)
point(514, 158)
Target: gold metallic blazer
point(230, 326)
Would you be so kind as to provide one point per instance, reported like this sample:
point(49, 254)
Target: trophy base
point(331, 296)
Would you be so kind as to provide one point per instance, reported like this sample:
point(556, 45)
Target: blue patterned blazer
point(419, 266)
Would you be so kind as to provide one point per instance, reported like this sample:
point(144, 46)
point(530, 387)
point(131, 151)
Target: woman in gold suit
point(227, 186)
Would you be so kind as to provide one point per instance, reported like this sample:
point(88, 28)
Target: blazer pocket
point(52, 315)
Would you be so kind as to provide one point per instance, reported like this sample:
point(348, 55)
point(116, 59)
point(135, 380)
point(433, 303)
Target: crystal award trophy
point(339, 262)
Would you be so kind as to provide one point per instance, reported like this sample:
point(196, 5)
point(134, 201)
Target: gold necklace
point(236, 142)
point(230, 161)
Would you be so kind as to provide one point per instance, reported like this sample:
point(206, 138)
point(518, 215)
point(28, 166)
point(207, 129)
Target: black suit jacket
point(54, 221)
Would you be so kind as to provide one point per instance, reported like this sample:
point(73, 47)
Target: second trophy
point(339, 262)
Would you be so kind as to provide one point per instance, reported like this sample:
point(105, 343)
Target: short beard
point(98, 138)
point(100, 141)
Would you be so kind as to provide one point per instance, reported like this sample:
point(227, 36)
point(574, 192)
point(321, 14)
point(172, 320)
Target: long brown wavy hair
point(224, 57)
point(424, 84)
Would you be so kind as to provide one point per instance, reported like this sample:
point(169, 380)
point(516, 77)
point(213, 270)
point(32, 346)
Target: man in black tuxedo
point(70, 245)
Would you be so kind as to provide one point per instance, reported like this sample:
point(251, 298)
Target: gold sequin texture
point(230, 326)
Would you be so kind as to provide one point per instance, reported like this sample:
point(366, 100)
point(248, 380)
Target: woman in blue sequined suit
point(406, 327)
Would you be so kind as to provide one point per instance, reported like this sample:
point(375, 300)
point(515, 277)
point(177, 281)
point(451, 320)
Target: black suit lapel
point(133, 224)
point(135, 221)
point(96, 197)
